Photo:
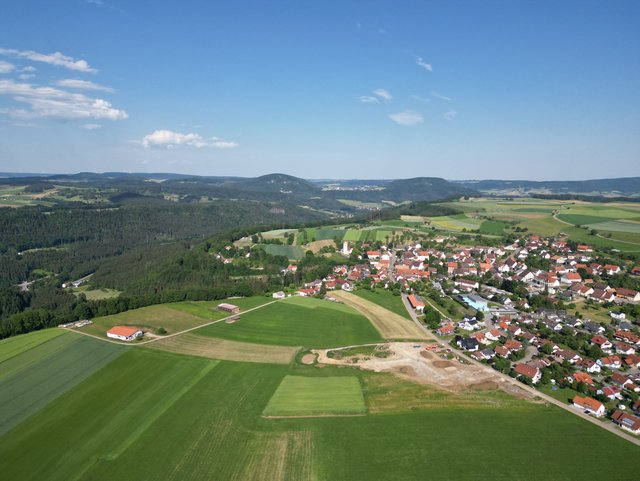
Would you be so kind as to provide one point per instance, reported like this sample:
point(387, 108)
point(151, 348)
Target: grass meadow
point(384, 298)
point(298, 321)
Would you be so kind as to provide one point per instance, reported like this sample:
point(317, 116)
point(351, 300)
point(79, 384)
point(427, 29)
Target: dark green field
point(298, 322)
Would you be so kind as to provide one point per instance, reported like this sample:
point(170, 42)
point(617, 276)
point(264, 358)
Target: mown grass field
point(160, 416)
point(316, 396)
point(298, 321)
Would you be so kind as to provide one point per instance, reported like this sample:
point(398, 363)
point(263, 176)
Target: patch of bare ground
point(410, 361)
point(316, 246)
point(223, 349)
point(389, 324)
point(308, 359)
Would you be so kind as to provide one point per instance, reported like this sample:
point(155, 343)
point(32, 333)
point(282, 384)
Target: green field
point(298, 322)
point(35, 377)
point(15, 345)
point(630, 226)
point(290, 252)
point(492, 227)
point(583, 219)
point(386, 299)
point(96, 294)
point(316, 396)
point(160, 416)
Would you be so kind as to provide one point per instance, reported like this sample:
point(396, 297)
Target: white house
point(124, 333)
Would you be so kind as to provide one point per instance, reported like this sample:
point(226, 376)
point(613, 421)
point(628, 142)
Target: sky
point(475, 89)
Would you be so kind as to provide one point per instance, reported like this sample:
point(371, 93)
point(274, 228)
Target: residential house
point(626, 421)
point(528, 371)
point(589, 405)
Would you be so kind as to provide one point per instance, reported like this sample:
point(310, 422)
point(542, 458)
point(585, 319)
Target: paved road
point(609, 426)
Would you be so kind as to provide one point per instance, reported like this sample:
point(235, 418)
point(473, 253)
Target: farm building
point(229, 308)
point(279, 295)
point(124, 333)
point(416, 302)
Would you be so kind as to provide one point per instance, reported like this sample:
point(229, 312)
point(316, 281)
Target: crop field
point(322, 234)
point(114, 425)
point(290, 252)
point(96, 294)
point(619, 222)
point(492, 227)
point(389, 324)
point(316, 396)
point(368, 235)
point(210, 347)
point(630, 226)
point(386, 299)
point(35, 377)
point(15, 345)
point(298, 322)
point(455, 223)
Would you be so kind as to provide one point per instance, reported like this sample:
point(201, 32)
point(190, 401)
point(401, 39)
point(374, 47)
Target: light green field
point(38, 376)
point(18, 344)
point(492, 227)
point(316, 396)
point(290, 252)
point(629, 226)
point(298, 321)
point(455, 223)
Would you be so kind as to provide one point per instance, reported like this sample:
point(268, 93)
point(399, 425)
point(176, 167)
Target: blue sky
point(471, 89)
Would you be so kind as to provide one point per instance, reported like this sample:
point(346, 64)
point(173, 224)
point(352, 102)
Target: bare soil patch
point(308, 359)
point(411, 361)
point(389, 324)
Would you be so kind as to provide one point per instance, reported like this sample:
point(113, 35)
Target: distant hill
point(624, 186)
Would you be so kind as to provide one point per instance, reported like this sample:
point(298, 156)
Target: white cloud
point(82, 85)
point(407, 118)
point(91, 126)
point(421, 99)
point(450, 114)
point(440, 96)
point(427, 66)
point(55, 58)
point(52, 103)
point(6, 67)
point(223, 144)
point(26, 76)
point(167, 139)
point(383, 94)
point(368, 99)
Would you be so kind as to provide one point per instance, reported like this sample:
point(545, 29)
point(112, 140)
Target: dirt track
point(412, 362)
point(389, 324)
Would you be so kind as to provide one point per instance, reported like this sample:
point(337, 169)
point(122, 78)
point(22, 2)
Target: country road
point(608, 425)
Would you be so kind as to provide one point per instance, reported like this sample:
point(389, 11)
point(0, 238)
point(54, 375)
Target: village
point(524, 308)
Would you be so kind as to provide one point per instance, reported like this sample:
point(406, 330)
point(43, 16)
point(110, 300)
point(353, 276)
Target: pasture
point(316, 396)
point(114, 425)
point(15, 345)
point(298, 321)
